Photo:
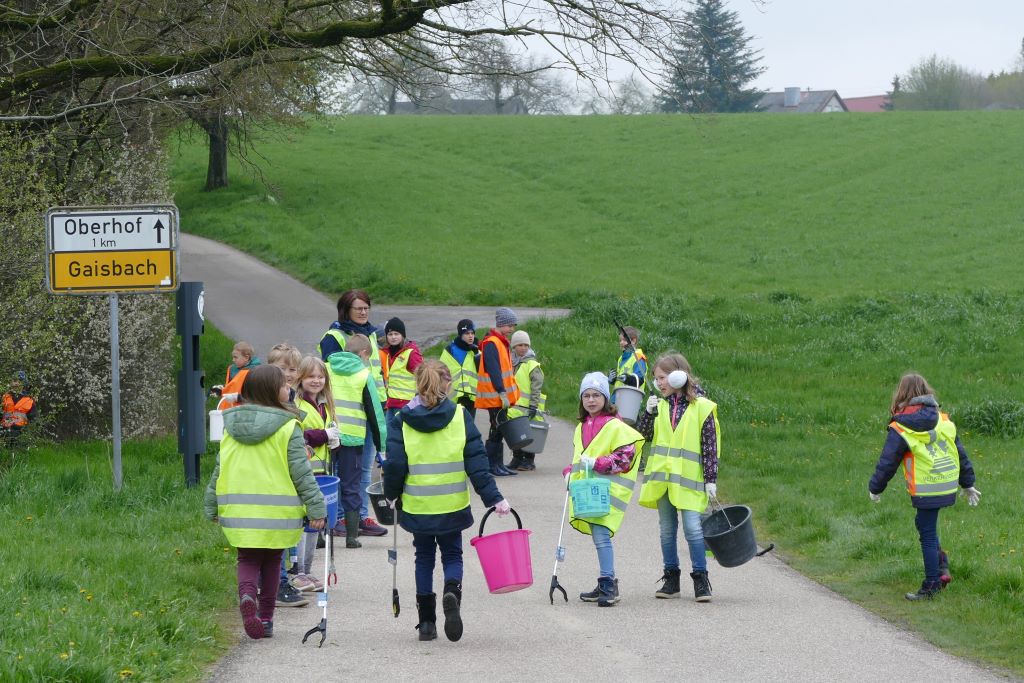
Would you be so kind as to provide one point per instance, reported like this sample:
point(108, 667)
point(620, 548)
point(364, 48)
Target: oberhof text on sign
point(107, 249)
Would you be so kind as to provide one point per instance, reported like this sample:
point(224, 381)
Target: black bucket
point(729, 534)
point(516, 431)
point(385, 515)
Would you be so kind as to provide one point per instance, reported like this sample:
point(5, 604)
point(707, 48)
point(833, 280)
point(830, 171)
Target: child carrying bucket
point(260, 490)
point(606, 447)
point(531, 403)
point(434, 452)
point(935, 464)
point(682, 469)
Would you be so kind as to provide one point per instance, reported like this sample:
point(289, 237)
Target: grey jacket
point(252, 424)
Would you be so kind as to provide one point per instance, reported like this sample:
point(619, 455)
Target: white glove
point(587, 462)
point(333, 443)
point(502, 508)
point(711, 489)
point(972, 494)
point(230, 397)
point(383, 456)
point(652, 403)
point(333, 433)
point(875, 498)
point(504, 400)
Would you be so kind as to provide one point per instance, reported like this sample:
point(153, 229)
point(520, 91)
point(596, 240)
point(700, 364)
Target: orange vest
point(486, 393)
point(232, 386)
point(16, 412)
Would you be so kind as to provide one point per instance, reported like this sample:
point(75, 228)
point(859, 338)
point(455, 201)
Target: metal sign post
point(112, 250)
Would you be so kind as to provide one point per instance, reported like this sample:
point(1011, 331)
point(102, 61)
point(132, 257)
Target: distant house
point(445, 104)
point(871, 104)
point(797, 101)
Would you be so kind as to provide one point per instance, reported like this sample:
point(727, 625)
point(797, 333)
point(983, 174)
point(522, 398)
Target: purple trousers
point(260, 569)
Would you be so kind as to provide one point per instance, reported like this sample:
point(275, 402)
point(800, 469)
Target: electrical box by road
point(191, 380)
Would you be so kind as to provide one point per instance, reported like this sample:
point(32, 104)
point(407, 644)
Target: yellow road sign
point(104, 271)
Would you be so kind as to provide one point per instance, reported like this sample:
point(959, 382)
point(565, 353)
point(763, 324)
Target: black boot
point(670, 584)
point(517, 460)
point(593, 595)
point(352, 529)
point(426, 605)
point(451, 602)
point(701, 586)
point(609, 588)
point(944, 576)
point(528, 465)
point(927, 591)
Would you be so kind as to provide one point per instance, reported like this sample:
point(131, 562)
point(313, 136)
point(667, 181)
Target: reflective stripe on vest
point(628, 367)
point(931, 466)
point(464, 377)
point(401, 382)
point(348, 401)
point(257, 505)
point(375, 370)
point(613, 435)
point(525, 397)
point(674, 465)
point(437, 482)
point(487, 395)
point(321, 459)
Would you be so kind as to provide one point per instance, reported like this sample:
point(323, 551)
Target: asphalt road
point(766, 622)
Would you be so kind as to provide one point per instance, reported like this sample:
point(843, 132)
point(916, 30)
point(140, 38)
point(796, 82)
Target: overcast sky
point(856, 46)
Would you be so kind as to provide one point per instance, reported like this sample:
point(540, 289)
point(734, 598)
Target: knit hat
point(520, 337)
point(465, 325)
point(597, 381)
point(395, 325)
point(505, 316)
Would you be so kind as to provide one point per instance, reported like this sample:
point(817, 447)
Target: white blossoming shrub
point(63, 342)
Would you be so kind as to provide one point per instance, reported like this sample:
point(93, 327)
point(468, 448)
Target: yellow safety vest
point(628, 367)
point(348, 402)
point(931, 466)
point(321, 460)
point(522, 406)
point(674, 464)
point(375, 370)
point(613, 435)
point(437, 482)
point(257, 505)
point(401, 382)
point(464, 376)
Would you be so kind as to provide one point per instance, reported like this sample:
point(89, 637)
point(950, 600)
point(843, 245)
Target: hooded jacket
point(396, 467)
point(346, 364)
point(252, 424)
point(388, 355)
point(920, 415)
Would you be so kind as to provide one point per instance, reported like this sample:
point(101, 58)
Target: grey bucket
point(729, 534)
point(516, 431)
point(539, 430)
point(385, 515)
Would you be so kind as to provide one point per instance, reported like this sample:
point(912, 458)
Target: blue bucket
point(590, 497)
point(329, 487)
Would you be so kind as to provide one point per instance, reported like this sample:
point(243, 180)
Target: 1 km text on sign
point(112, 249)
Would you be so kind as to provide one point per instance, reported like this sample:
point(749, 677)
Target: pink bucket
point(505, 557)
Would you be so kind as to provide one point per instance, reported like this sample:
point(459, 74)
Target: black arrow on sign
point(159, 226)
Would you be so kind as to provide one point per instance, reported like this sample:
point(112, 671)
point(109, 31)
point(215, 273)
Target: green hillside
point(426, 208)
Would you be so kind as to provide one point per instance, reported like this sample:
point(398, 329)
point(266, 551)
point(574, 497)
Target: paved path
point(765, 623)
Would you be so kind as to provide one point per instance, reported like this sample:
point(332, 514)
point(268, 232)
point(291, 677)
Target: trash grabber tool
point(559, 554)
point(322, 602)
point(331, 576)
point(396, 608)
point(622, 331)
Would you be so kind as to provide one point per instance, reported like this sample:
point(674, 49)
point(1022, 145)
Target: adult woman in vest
point(935, 463)
point(354, 318)
point(461, 357)
point(434, 449)
point(682, 469)
point(260, 490)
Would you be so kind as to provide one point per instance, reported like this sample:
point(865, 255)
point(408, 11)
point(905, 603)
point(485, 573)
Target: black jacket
point(921, 415)
point(396, 467)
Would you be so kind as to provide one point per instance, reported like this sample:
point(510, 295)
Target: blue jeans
point(451, 559)
point(605, 555)
point(668, 521)
point(927, 523)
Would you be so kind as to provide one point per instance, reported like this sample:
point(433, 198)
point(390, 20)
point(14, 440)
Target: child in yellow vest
point(631, 369)
point(682, 469)
point(532, 401)
point(260, 490)
point(606, 447)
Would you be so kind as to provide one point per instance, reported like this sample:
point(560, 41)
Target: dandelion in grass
point(64, 655)
point(136, 614)
point(126, 673)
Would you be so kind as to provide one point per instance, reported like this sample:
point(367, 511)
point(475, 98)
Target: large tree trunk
point(217, 168)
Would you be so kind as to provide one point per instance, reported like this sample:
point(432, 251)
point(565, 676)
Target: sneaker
point(701, 586)
point(670, 584)
point(268, 628)
point(303, 583)
point(289, 597)
point(944, 576)
point(609, 588)
point(248, 606)
point(369, 527)
point(339, 528)
point(927, 591)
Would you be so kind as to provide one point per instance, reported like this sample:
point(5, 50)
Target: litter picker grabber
point(559, 554)
point(330, 577)
point(396, 608)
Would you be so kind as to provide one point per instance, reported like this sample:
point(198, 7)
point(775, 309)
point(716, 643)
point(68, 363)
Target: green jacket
point(251, 424)
point(345, 363)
